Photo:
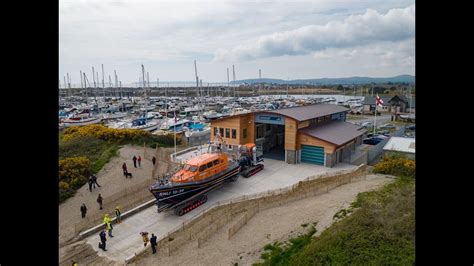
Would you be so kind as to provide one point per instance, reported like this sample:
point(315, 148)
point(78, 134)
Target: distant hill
point(332, 81)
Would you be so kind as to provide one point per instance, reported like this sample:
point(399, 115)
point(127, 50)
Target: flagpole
point(375, 113)
point(174, 113)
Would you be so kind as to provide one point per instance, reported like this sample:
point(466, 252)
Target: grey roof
point(306, 112)
point(335, 132)
point(371, 100)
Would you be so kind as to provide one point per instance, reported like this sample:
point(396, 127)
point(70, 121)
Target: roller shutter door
point(312, 154)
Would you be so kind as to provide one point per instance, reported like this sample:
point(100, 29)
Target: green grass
point(281, 254)
point(380, 231)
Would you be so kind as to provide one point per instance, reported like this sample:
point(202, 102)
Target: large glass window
point(215, 131)
point(244, 133)
point(221, 131)
point(227, 132)
point(202, 168)
point(234, 133)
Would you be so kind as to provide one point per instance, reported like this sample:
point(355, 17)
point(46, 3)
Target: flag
point(378, 100)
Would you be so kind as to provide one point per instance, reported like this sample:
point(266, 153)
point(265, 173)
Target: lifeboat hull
point(175, 194)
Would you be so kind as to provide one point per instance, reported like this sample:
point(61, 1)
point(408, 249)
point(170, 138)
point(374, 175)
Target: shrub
point(73, 173)
point(396, 165)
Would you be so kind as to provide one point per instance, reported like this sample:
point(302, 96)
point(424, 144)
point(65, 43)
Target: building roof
point(371, 100)
point(302, 113)
point(334, 132)
point(400, 144)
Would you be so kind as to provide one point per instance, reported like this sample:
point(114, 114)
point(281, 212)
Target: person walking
point(153, 160)
point(90, 181)
point(109, 228)
point(99, 200)
point(153, 243)
point(94, 180)
point(145, 238)
point(134, 161)
point(106, 219)
point(103, 239)
point(139, 160)
point(83, 210)
point(124, 168)
point(118, 214)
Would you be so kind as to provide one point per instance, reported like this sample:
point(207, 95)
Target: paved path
point(277, 174)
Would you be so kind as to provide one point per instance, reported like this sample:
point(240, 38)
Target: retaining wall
point(201, 228)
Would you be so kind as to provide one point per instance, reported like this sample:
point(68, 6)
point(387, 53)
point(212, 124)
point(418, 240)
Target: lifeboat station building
point(317, 134)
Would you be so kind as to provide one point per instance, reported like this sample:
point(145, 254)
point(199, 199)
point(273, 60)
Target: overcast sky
point(295, 40)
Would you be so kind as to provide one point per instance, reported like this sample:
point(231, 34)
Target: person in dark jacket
point(103, 239)
point(153, 243)
point(94, 179)
point(124, 168)
point(83, 210)
point(99, 200)
point(139, 161)
point(153, 160)
point(90, 181)
point(134, 161)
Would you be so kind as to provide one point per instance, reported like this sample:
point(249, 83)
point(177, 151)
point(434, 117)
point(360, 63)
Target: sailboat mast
point(80, 77)
point(103, 82)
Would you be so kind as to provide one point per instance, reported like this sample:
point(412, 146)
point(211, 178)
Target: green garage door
point(312, 154)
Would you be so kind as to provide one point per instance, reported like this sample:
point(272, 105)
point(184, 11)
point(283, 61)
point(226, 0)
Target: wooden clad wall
point(308, 140)
point(290, 134)
point(303, 124)
point(247, 122)
point(238, 123)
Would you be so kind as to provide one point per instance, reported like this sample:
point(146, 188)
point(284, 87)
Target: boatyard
point(284, 136)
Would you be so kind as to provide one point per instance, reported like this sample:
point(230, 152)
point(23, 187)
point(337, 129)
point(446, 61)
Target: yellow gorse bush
point(396, 166)
point(73, 172)
point(104, 133)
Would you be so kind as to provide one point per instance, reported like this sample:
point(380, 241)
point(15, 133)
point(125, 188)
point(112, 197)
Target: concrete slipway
point(276, 174)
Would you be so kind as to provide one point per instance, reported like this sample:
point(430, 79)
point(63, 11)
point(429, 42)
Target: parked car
point(372, 140)
point(387, 126)
point(411, 127)
point(367, 124)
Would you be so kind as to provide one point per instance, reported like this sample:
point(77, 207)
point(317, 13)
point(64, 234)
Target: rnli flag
point(378, 100)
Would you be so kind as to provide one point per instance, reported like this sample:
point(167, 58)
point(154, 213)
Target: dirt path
point(113, 185)
point(268, 226)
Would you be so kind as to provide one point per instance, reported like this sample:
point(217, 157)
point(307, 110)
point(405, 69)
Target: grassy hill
point(379, 231)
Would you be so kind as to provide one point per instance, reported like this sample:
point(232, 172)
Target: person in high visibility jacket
point(109, 228)
point(106, 219)
point(118, 214)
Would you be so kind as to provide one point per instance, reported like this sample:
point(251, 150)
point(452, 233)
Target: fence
point(377, 150)
point(208, 221)
point(140, 194)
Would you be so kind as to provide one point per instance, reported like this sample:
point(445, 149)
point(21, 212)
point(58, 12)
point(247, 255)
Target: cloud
point(397, 24)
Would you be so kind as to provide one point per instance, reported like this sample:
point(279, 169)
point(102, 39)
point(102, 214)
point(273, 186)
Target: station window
point(244, 133)
point(221, 131)
point(215, 131)
point(202, 168)
point(227, 132)
point(269, 127)
point(215, 162)
point(209, 164)
point(234, 133)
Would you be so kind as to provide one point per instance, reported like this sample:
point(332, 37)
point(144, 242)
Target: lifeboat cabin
point(201, 168)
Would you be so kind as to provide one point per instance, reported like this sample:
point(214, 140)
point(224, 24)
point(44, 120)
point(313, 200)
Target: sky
point(285, 39)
